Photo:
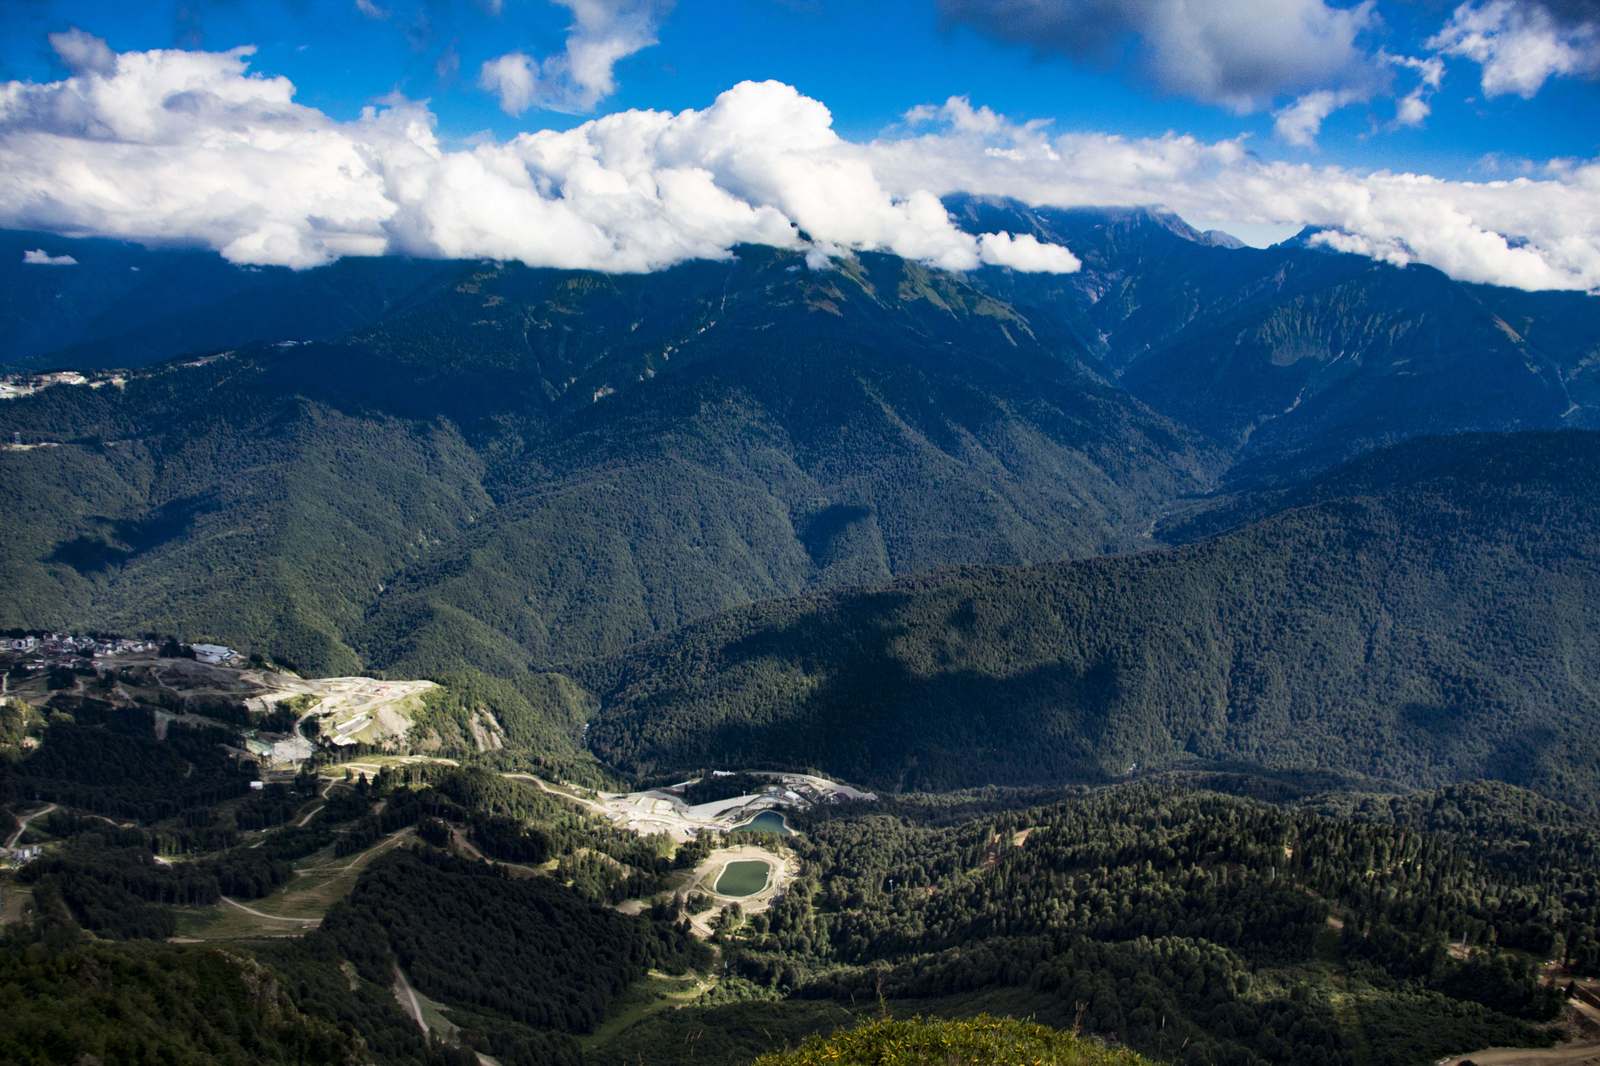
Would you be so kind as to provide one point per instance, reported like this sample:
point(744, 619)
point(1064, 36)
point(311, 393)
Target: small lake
point(765, 822)
point(743, 878)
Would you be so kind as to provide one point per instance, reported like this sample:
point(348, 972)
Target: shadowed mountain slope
point(1431, 625)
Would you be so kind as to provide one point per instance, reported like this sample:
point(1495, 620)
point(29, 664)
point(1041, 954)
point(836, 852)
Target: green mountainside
point(1217, 628)
point(1294, 357)
point(545, 466)
point(515, 480)
point(481, 466)
point(155, 1003)
point(1433, 624)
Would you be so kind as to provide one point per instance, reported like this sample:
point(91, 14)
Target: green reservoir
point(765, 822)
point(744, 878)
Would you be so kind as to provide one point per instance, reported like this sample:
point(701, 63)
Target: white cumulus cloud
point(1534, 232)
point(40, 257)
point(191, 147)
point(1387, 250)
point(602, 34)
point(1301, 121)
point(1414, 107)
point(82, 51)
point(1521, 45)
point(1026, 253)
point(514, 78)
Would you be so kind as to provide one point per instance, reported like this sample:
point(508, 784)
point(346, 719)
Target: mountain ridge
point(1349, 633)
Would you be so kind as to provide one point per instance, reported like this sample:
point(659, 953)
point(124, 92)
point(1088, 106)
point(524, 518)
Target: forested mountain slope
point(1295, 357)
point(828, 431)
point(541, 465)
point(483, 467)
point(1435, 626)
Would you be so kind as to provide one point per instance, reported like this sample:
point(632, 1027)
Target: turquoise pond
point(765, 822)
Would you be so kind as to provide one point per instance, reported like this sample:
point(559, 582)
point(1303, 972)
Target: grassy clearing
point(15, 900)
point(321, 880)
point(656, 992)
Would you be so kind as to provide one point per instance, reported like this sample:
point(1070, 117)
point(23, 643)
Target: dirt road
point(1586, 1053)
point(22, 823)
point(408, 999)
point(595, 806)
point(1583, 1051)
point(303, 922)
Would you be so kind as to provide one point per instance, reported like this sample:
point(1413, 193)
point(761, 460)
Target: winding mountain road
point(22, 823)
point(303, 922)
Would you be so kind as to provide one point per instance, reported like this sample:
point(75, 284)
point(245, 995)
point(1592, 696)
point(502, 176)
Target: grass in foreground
point(980, 1041)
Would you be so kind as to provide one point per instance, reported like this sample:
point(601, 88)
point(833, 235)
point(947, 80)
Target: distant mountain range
point(478, 468)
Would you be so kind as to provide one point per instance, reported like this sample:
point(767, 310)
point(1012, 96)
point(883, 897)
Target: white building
point(215, 654)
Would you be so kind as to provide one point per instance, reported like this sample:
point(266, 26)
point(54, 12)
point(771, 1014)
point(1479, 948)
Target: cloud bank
point(191, 147)
point(1529, 233)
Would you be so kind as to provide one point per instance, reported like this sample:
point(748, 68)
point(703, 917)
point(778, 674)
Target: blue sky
point(624, 134)
point(869, 62)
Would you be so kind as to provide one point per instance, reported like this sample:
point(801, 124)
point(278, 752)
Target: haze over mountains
point(435, 466)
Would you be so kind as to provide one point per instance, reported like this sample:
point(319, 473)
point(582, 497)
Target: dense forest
point(1436, 625)
point(1185, 916)
point(471, 934)
point(444, 491)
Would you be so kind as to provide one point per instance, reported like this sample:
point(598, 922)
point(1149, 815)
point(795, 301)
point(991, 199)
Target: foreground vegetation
point(1203, 919)
point(933, 1042)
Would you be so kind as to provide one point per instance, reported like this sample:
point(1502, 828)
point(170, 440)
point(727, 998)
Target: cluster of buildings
point(55, 647)
point(16, 386)
point(278, 750)
point(19, 856)
point(61, 645)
